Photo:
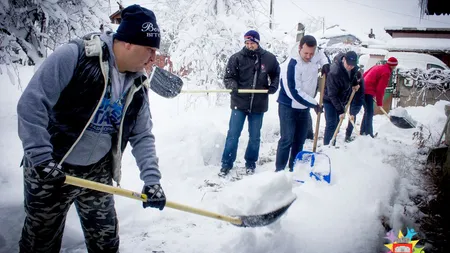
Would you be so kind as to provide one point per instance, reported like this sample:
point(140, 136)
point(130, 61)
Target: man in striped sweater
point(298, 84)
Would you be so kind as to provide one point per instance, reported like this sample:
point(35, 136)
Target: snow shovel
point(240, 221)
point(400, 122)
point(333, 140)
point(314, 159)
point(164, 83)
point(439, 154)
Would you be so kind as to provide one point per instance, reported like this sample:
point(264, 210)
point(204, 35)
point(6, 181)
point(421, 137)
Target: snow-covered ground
point(371, 179)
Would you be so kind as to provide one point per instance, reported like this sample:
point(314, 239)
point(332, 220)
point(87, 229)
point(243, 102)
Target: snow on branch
point(425, 84)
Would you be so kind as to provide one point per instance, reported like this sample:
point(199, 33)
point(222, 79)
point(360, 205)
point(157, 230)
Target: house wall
point(420, 35)
point(409, 96)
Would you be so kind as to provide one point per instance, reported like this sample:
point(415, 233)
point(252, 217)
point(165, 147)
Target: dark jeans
point(46, 210)
point(354, 110)
point(367, 122)
point(293, 130)
point(331, 122)
point(310, 134)
point(236, 124)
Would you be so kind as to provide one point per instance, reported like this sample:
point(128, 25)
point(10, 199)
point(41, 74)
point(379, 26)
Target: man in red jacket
point(376, 80)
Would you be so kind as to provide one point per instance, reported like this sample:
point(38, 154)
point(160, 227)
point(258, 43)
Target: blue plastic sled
point(310, 157)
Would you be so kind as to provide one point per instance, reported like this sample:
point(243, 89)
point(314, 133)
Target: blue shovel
point(311, 158)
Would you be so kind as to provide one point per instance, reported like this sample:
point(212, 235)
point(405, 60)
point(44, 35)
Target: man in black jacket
point(250, 68)
point(357, 101)
point(338, 88)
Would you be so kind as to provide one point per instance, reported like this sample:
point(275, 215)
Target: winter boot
point(224, 171)
point(250, 171)
point(349, 139)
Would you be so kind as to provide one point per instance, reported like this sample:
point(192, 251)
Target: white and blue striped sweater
point(298, 81)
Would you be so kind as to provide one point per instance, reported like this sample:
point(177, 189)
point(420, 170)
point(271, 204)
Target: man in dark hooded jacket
point(250, 68)
point(358, 99)
point(338, 88)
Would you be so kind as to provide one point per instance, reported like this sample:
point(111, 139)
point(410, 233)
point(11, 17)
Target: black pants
point(46, 210)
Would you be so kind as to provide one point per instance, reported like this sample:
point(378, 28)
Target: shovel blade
point(313, 164)
point(401, 122)
point(437, 156)
point(264, 219)
point(164, 83)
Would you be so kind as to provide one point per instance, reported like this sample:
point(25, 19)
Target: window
point(431, 65)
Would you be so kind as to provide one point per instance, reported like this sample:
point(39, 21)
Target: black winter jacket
point(338, 87)
point(240, 74)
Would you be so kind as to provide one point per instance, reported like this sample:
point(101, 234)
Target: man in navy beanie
point(90, 108)
point(251, 68)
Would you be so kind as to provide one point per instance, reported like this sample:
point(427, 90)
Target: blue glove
point(155, 196)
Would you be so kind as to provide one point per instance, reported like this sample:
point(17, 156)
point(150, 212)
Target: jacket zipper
point(255, 78)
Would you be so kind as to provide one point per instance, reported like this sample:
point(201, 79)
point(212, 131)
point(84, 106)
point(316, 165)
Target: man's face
point(139, 57)
point(347, 66)
point(250, 45)
point(306, 53)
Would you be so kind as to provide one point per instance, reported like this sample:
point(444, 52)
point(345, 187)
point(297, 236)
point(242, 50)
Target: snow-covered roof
point(416, 44)
point(373, 51)
point(331, 32)
point(407, 29)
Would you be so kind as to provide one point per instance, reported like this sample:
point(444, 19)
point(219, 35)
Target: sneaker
point(250, 171)
point(223, 172)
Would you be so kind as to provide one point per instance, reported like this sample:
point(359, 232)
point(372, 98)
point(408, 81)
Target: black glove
point(234, 91)
point(318, 108)
point(272, 90)
point(325, 69)
point(155, 196)
point(357, 80)
point(50, 173)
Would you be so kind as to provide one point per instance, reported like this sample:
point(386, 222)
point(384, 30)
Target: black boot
point(224, 171)
point(349, 139)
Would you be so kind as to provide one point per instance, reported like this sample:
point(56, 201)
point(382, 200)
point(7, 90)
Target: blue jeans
point(367, 122)
point(236, 124)
point(331, 122)
point(294, 124)
point(354, 110)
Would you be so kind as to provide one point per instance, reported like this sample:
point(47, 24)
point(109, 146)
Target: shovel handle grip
point(142, 197)
point(225, 91)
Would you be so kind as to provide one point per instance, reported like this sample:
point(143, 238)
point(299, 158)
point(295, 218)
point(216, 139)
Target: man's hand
point(50, 173)
point(325, 69)
point(155, 196)
point(342, 116)
point(272, 90)
point(234, 91)
point(352, 118)
point(356, 88)
point(318, 108)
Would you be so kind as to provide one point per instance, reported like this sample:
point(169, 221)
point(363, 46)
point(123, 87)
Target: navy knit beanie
point(252, 35)
point(139, 27)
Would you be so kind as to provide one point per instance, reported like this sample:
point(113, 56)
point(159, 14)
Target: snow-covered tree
point(202, 34)
point(423, 83)
point(29, 27)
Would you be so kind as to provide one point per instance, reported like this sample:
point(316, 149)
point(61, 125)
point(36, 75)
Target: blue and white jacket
point(298, 80)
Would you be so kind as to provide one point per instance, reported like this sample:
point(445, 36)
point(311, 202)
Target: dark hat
point(351, 58)
point(138, 26)
point(252, 35)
